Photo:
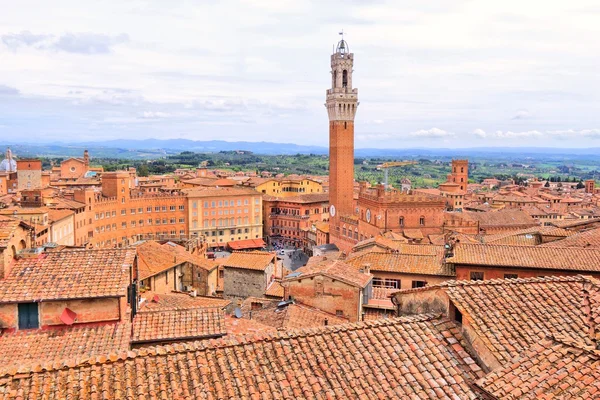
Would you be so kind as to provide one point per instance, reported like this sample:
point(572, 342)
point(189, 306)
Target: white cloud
point(576, 134)
point(522, 114)
point(431, 133)
point(229, 63)
point(480, 133)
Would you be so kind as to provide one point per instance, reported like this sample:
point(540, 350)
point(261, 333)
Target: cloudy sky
point(430, 73)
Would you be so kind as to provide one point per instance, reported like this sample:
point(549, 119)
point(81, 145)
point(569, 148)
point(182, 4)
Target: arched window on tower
point(334, 79)
point(345, 78)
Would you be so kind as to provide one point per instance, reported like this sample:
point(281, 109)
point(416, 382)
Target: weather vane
point(342, 33)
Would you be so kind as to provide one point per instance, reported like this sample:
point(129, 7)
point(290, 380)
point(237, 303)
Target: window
point(181, 208)
point(171, 208)
point(132, 211)
point(401, 221)
point(28, 316)
point(157, 209)
point(339, 313)
point(422, 221)
point(511, 276)
point(387, 283)
point(164, 208)
point(148, 209)
point(255, 305)
point(476, 276)
point(140, 210)
point(418, 284)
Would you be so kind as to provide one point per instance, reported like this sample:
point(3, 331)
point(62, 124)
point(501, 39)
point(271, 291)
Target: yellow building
point(224, 214)
point(289, 186)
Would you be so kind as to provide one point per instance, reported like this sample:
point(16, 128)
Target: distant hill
point(156, 148)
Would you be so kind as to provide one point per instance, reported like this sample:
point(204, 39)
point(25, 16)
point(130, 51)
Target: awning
point(246, 244)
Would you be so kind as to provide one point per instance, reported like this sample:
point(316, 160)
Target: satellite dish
point(237, 312)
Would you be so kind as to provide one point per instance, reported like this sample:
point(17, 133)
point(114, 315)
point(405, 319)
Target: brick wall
point(242, 283)
point(87, 310)
point(326, 294)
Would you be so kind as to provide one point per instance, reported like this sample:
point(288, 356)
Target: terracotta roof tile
point(24, 349)
point(187, 324)
point(418, 357)
point(550, 369)
point(69, 275)
point(401, 263)
point(275, 290)
point(256, 260)
point(180, 301)
point(336, 269)
point(513, 314)
point(155, 258)
point(8, 228)
point(287, 315)
point(585, 239)
point(504, 218)
point(538, 257)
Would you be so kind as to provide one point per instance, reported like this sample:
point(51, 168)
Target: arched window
point(401, 221)
point(334, 79)
point(422, 221)
point(345, 78)
point(462, 169)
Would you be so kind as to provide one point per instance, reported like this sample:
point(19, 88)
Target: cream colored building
point(289, 187)
point(224, 214)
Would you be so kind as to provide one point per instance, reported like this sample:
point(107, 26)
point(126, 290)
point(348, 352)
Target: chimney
point(365, 268)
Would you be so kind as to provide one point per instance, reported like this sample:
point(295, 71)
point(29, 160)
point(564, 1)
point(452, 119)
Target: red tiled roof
point(420, 357)
point(69, 275)
point(255, 260)
point(24, 349)
point(155, 258)
point(180, 301)
point(243, 326)
point(275, 290)
point(401, 263)
point(335, 269)
point(550, 369)
point(585, 239)
point(511, 315)
point(246, 244)
point(538, 257)
point(287, 316)
point(187, 324)
point(8, 227)
point(502, 218)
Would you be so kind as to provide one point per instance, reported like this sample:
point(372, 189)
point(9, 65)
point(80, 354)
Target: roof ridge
point(570, 278)
point(219, 343)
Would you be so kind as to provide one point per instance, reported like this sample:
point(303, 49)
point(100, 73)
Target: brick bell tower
point(342, 101)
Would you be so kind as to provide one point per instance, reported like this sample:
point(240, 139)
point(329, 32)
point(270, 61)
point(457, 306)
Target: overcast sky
point(429, 73)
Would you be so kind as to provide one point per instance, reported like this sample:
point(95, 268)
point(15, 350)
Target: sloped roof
point(538, 257)
point(155, 258)
point(511, 315)
point(184, 324)
point(501, 218)
point(585, 239)
point(69, 275)
point(8, 228)
point(334, 269)
point(553, 368)
point(180, 301)
point(401, 263)
point(418, 357)
point(254, 260)
point(26, 348)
